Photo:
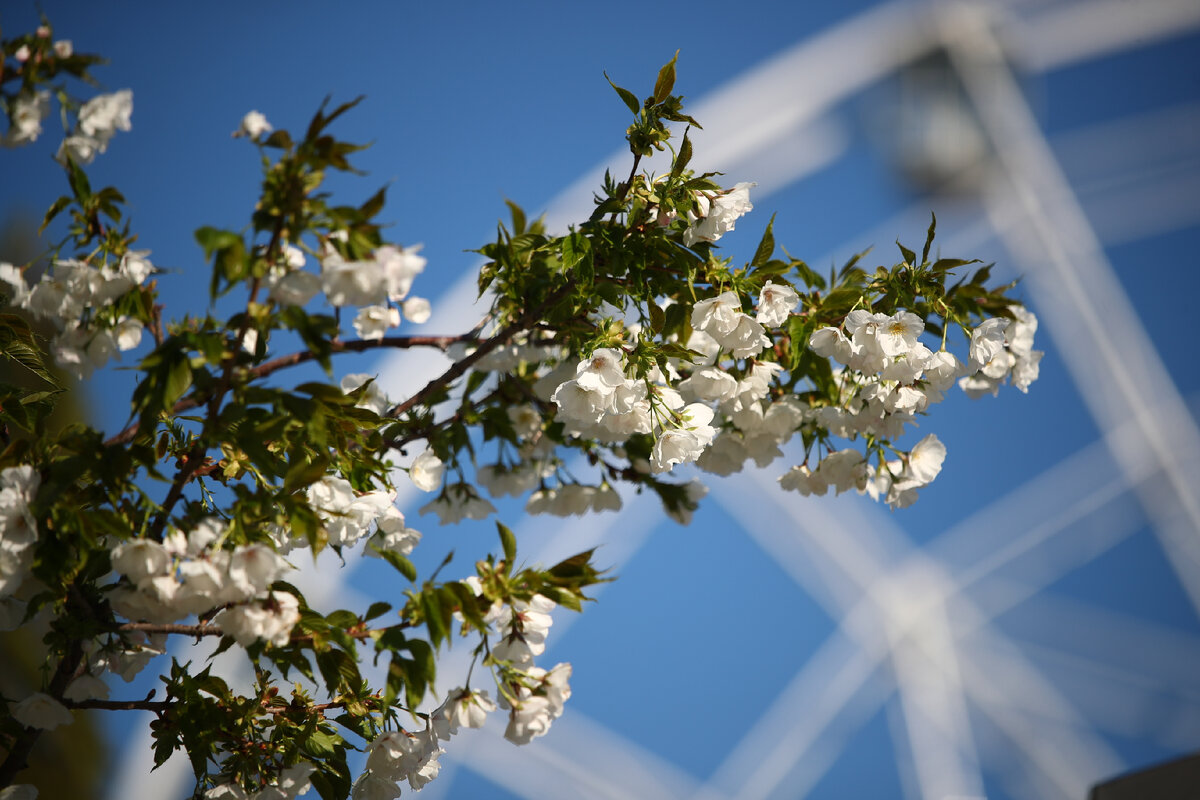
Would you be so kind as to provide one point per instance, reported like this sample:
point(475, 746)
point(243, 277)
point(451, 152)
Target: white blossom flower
point(294, 288)
point(392, 535)
point(400, 755)
point(86, 687)
point(254, 567)
point(141, 558)
point(843, 470)
point(925, 460)
point(987, 341)
point(578, 403)
point(501, 481)
point(458, 502)
point(372, 322)
point(775, 304)
point(18, 290)
point(270, 620)
point(718, 315)
point(417, 309)
point(373, 398)
point(105, 114)
point(99, 119)
point(801, 479)
point(353, 283)
point(226, 791)
point(717, 214)
point(253, 125)
point(12, 613)
point(464, 709)
point(1025, 370)
point(602, 372)
point(746, 340)
point(426, 471)
point(536, 706)
point(127, 333)
point(525, 419)
point(725, 456)
point(26, 113)
point(710, 383)
point(136, 266)
point(370, 786)
point(400, 267)
point(898, 334)
point(529, 718)
point(41, 711)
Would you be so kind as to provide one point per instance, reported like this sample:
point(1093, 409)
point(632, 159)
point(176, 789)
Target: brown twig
point(442, 343)
point(459, 368)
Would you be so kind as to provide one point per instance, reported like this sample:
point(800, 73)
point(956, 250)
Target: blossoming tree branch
point(611, 357)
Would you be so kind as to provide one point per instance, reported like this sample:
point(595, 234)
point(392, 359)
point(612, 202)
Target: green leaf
point(278, 139)
point(666, 80)
point(468, 604)
point(79, 182)
point(179, 380)
point(508, 541)
point(402, 564)
point(435, 619)
point(373, 205)
point(929, 237)
point(658, 317)
point(577, 256)
point(396, 679)
point(321, 744)
point(943, 265)
point(18, 343)
point(910, 257)
point(518, 217)
point(213, 239)
point(377, 609)
point(682, 157)
point(766, 246)
point(423, 671)
point(629, 97)
point(53, 211)
point(305, 472)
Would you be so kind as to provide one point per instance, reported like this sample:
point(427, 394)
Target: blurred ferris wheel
point(990, 682)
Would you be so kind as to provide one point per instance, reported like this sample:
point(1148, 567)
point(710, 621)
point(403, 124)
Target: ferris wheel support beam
point(1106, 348)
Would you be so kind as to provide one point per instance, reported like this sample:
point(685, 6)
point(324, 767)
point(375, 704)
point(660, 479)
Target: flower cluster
point(18, 529)
point(601, 403)
point(99, 119)
point(535, 698)
point(716, 212)
point(1002, 349)
point(26, 110)
point(192, 573)
point(25, 113)
point(397, 756)
point(291, 782)
point(79, 299)
point(374, 285)
point(888, 377)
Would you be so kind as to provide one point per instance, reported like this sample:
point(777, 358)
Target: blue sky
point(469, 104)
